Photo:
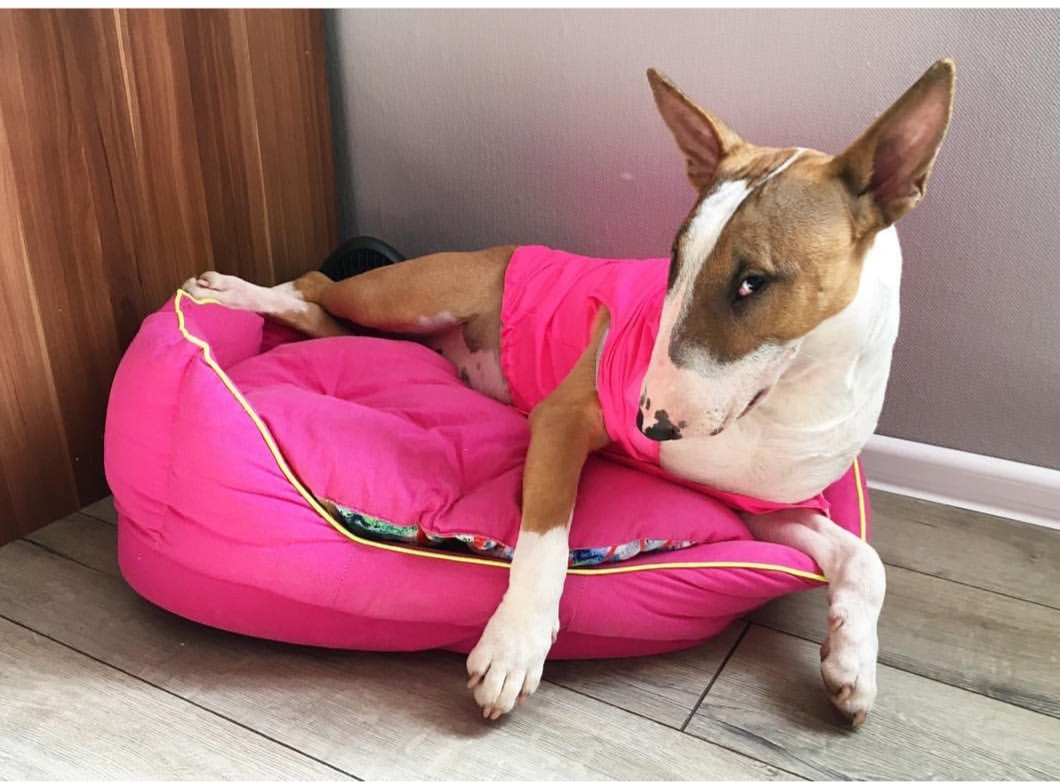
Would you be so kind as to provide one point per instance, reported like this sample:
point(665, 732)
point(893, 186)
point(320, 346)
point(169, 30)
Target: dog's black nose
point(662, 430)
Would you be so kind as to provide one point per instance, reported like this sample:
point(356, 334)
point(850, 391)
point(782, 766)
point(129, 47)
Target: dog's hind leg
point(416, 297)
point(283, 304)
point(419, 296)
point(856, 587)
point(450, 302)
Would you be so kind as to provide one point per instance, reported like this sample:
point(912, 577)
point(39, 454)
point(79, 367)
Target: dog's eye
point(750, 285)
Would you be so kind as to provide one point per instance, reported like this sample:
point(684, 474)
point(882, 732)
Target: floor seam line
point(992, 591)
point(673, 728)
point(907, 671)
point(717, 674)
point(180, 697)
point(52, 551)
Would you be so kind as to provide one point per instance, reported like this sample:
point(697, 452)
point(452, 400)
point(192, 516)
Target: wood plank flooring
point(97, 683)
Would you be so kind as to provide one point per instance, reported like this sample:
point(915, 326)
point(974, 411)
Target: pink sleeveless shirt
point(550, 301)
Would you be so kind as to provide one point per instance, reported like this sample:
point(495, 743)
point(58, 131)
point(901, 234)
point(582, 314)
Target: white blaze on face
point(703, 396)
point(702, 235)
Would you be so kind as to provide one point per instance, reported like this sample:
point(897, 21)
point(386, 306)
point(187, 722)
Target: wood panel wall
point(137, 148)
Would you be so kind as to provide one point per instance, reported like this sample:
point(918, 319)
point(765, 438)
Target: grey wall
point(460, 129)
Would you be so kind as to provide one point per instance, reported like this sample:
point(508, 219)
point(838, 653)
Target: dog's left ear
point(887, 168)
point(703, 138)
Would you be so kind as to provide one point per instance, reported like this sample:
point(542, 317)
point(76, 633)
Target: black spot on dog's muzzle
point(662, 430)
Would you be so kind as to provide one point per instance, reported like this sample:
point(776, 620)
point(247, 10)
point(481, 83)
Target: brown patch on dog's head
point(792, 244)
point(775, 245)
point(797, 241)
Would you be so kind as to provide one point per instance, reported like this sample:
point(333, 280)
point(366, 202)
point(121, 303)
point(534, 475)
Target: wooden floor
point(96, 683)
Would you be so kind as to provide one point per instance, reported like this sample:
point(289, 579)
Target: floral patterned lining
point(382, 530)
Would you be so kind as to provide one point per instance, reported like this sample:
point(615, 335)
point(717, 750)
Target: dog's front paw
point(848, 661)
point(505, 667)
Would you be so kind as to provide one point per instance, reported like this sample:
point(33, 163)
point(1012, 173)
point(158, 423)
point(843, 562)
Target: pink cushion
point(223, 431)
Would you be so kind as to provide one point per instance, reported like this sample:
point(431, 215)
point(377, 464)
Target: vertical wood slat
point(53, 199)
point(136, 149)
point(31, 434)
point(277, 86)
point(169, 177)
point(226, 127)
point(100, 108)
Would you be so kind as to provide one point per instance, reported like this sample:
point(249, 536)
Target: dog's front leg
point(856, 587)
point(506, 665)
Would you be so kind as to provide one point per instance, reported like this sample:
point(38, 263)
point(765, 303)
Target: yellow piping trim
point(310, 499)
point(274, 449)
point(862, 519)
point(700, 565)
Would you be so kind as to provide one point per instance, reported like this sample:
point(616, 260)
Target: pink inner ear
point(703, 143)
point(907, 147)
point(699, 145)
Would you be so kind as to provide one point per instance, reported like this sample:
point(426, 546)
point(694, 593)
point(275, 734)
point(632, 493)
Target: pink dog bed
point(246, 465)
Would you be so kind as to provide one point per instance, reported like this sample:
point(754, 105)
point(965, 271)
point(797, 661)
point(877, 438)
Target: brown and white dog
point(773, 352)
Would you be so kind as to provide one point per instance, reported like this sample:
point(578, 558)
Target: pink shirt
point(550, 301)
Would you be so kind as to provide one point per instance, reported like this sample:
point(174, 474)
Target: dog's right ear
point(703, 138)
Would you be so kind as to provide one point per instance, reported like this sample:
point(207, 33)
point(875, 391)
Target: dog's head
point(773, 247)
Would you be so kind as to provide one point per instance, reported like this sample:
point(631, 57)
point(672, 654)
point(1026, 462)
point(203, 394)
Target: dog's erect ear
point(887, 168)
point(703, 138)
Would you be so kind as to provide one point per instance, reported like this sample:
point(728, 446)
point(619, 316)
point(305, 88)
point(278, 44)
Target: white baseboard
point(984, 484)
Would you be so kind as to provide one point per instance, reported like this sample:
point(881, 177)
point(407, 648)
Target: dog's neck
point(804, 434)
